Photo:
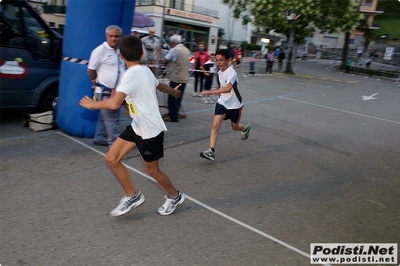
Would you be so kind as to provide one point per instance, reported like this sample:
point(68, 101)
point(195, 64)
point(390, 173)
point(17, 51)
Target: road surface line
point(255, 230)
point(341, 110)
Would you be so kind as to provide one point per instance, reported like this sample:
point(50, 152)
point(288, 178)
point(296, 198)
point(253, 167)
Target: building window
point(177, 4)
point(146, 2)
point(368, 3)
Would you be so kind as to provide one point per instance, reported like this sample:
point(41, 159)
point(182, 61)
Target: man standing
point(152, 48)
point(178, 68)
point(105, 68)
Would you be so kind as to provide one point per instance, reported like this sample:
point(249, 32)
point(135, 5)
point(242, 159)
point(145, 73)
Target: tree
point(297, 18)
point(221, 32)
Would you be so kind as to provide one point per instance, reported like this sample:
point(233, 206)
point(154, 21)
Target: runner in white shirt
point(146, 132)
point(229, 104)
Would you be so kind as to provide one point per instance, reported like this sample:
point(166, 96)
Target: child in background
point(238, 57)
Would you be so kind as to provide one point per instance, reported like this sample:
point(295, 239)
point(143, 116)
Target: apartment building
point(369, 9)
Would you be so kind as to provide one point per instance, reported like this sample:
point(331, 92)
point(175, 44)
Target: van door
point(29, 59)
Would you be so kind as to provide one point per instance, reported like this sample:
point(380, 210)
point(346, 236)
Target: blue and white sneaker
point(128, 203)
point(170, 205)
point(208, 154)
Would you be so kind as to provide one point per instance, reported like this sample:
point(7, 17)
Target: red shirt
point(202, 57)
point(238, 55)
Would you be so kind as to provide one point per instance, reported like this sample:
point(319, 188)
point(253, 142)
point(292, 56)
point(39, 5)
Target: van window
point(20, 30)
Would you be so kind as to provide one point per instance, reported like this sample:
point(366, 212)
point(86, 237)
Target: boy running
point(146, 132)
point(229, 104)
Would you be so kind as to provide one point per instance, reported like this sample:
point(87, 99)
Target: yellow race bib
point(132, 109)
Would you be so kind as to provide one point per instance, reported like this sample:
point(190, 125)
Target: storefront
point(191, 34)
point(193, 27)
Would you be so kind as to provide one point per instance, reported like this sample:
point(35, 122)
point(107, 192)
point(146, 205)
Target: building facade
point(369, 9)
point(194, 23)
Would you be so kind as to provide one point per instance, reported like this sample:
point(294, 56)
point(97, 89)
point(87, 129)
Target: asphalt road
point(321, 165)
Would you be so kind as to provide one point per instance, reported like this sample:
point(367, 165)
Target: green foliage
point(390, 6)
point(251, 47)
point(389, 22)
point(301, 16)
point(221, 32)
point(389, 26)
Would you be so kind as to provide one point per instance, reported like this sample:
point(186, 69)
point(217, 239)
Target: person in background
point(277, 51)
point(152, 48)
point(238, 57)
point(231, 50)
point(135, 33)
point(209, 69)
point(348, 65)
point(178, 68)
point(223, 45)
point(269, 61)
point(105, 69)
point(252, 62)
point(146, 131)
point(200, 58)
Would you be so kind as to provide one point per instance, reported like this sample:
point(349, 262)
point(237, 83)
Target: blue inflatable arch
point(85, 26)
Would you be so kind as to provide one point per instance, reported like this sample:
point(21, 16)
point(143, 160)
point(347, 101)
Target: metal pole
point(163, 21)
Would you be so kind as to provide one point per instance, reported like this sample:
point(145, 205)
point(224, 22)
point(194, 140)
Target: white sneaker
point(194, 94)
point(170, 205)
point(128, 203)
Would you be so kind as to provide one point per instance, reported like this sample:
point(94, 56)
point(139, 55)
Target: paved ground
point(321, 165)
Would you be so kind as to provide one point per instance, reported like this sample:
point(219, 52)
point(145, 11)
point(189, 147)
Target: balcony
point(375, 26)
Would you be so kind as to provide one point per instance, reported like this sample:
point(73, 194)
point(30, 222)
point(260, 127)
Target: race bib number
point(132, 109)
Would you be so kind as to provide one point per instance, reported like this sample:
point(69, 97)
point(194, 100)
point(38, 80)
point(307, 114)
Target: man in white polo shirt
point(105, 69)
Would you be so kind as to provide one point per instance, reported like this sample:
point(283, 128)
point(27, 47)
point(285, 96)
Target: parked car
point(30, 58)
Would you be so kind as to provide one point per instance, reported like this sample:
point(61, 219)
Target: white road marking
point(255, 230)
point(340, 110)
point(371, 97)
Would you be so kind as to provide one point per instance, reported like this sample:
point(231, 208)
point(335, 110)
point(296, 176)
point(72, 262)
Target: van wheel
point(50, 99)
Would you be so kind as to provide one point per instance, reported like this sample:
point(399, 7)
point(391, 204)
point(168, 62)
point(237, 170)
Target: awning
point(140, 20)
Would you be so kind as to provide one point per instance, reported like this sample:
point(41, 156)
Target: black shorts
point(231, 114)
point(150, 149)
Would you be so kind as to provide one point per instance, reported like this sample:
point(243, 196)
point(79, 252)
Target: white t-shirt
point(139, 84)
point(107, 63)
point(228, 99)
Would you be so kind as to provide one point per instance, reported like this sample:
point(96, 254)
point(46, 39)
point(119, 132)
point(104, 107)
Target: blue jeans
point(208, 82)
point(107, 127)
point(252, 70)
point(175, 104)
